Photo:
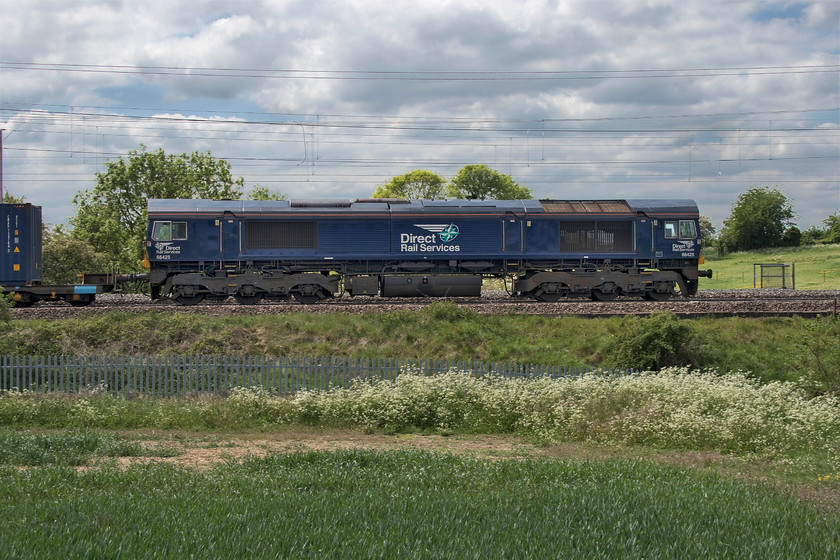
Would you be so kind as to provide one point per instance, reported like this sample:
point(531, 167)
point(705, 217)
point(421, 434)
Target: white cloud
point(708, 134)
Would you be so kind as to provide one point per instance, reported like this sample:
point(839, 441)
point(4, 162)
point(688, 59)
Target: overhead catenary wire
point(418, 75)
point(461, 139)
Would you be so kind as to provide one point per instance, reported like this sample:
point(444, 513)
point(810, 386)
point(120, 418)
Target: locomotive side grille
point(596, 237)
point(281, 235)
point(564, 207)
point(577, 237)
point(614, 206)
point(615, 237)
point(585, 206)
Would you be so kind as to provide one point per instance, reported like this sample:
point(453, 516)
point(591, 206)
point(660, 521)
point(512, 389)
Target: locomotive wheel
point(187, 295)
point(691, 288)
point(599, 295)
point(657, 296)
point(549, 292)
point(249, 299)
point(308, 294)
point(307, 299)
point(189, 300)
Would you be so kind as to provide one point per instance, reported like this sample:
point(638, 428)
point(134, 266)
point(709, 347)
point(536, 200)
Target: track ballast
point(716, 303)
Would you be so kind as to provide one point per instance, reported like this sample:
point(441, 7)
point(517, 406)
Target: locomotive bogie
point(250, 287)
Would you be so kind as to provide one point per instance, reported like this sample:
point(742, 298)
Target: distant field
point(816, 267)
point(402, 504)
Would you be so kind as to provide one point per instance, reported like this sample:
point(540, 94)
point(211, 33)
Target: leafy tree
point(832, 226)
point(792, 237)
point(11, 199)
point(417, 184)
point(813, 235)
point(112, 215)
point(479, 182)
point(264, 193)
point(759, 219)
point(707, 230)
point(65, 258)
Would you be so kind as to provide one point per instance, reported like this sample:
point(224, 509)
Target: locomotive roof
point(193, 206)
point(398, 206)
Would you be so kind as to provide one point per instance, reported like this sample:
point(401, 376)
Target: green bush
point(5, 303)
point(660, 340)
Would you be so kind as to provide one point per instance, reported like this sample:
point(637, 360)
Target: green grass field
point(408, 504)
point(817, 267)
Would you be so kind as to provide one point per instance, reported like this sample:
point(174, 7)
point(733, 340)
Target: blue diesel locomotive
point(315, 249)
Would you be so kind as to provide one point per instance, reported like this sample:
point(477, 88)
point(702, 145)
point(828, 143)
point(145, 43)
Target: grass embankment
point(817, 267)
point(769, 348)
point(410, 504)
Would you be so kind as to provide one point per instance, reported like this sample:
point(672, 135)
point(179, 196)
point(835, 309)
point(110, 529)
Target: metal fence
point(175, 376)
point(774, 275)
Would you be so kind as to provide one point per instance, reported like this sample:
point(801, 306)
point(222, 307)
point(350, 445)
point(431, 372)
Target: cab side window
point(169, 231)
point(684, 229)
point(162, 231)
point(179, 230)
point(687, 229)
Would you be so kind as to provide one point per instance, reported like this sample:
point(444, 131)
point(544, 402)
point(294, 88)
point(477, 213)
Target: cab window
point(683, 229)
point(162, 231)
point(169, 231)
point(179, 230)
point(687, 229)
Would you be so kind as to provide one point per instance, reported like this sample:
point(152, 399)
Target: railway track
point(715, 303)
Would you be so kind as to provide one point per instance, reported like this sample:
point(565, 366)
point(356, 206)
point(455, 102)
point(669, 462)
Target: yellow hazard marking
point(16, 267)
point(17, 250)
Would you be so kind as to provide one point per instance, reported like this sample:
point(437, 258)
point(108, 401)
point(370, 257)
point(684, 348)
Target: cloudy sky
point(590, 99)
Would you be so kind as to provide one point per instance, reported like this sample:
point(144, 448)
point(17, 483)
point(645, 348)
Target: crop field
point(675, 463)
point(817, 267)
point(410, 504)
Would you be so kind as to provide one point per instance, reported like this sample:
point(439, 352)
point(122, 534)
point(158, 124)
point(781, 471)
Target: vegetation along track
point(718, 303)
